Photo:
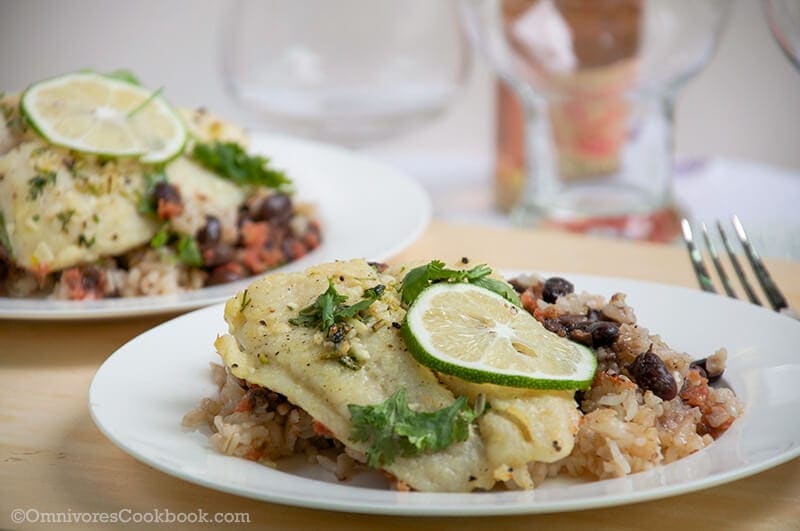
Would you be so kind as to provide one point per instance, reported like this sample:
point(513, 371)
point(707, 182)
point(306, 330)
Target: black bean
point(224, 274)
point(574, 322)
point(555, 287)
point(517, 285)
point(276, 208)
point(603, 333)
point(650, 373)
point(163, 191)
point(209, 233)
point(700, 366)
point(380, 267)
point(5, 263)
point(217, 254)
point(580, 335)
point(91, 277)
point(555, 326)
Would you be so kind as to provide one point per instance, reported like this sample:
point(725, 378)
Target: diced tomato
point(255, 233)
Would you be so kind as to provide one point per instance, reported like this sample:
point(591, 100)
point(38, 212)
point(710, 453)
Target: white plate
point(366, 209)
point(142, 391)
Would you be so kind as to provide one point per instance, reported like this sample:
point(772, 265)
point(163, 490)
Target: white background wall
point(746, 104)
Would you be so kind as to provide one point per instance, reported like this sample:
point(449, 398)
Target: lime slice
point(96, 114)
point(475, 334)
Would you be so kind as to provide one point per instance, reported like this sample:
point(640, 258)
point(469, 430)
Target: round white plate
point(142, 391)
point(366, 209)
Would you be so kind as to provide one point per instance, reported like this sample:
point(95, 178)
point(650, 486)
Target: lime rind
point(173, 149)
point(419, 343)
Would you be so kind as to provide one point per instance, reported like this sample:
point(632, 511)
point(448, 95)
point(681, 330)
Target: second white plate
point(366, 209)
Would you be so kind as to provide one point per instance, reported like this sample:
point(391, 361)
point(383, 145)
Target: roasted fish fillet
point(264, 348)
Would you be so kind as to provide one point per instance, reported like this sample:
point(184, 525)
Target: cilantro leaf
point(229, 160)
point(503, 289)
point(320, 314)
point(5, 241)
point(146, 205)
point(396, 430)
point(435, 271)
point(370, 296)
point(124, 75)
point(188, 252)
point(160, 238)
point(329, 308)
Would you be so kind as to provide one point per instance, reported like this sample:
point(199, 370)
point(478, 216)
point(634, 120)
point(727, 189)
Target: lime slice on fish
point(475, 334)
point(100, 115)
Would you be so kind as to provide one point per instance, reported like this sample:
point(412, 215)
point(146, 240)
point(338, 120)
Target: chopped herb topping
point(37, 183)
point(435, 271)
point(349, 361)
point(84, 242)
point(396, 430)
point(146, 205)
point(124, 75)
point(4, 239)
point(95, 218)
point(35, 218)
point(161, 238)
point(246, 300)
point(64, 217)
point(188, 252)
point(229, 160)
point(329, 308)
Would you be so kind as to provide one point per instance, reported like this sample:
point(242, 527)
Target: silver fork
point(768, 286)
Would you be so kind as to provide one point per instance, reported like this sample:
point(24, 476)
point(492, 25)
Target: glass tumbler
point(344, 71)
point(597, 80)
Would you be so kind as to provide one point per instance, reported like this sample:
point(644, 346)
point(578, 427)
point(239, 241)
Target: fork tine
point(774, 295)
point(736, 266)
point(696, 258)
point(712, 250)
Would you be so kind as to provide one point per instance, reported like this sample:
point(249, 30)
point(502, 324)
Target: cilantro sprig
point(229, 160)
point(435, 271)
point(329, 308)
point(396, 430)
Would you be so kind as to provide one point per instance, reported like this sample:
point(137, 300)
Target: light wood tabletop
point(53, 458)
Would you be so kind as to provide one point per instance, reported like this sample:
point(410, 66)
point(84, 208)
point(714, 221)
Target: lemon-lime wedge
point(101, 115)
point(473, 333)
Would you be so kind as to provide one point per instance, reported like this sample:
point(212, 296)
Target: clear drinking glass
point(597, 80)
point(783, 17)
point(347, 71)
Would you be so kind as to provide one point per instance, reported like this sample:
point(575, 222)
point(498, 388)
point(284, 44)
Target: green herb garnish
point(160, 238)
point(395, 429)
point(124, 75)
point(246, 300)
point(37, 183)
point(349, 361)
point(435, 271)
point(84, 242)
point(146, 205)
point(64, 217)
point(5, 241)
point(329, 308)
point(188, 252)
point(229, 160)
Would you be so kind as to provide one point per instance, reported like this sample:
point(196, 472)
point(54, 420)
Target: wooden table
point(53, 458)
